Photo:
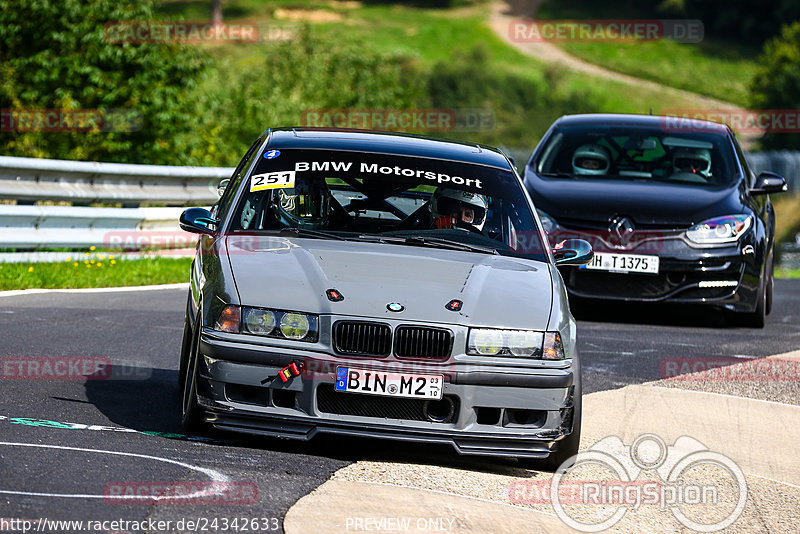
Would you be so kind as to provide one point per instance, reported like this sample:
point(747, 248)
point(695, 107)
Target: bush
point(54, 55)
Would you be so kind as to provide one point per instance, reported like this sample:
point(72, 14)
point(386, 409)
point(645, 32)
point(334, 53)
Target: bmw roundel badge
point(395, 307)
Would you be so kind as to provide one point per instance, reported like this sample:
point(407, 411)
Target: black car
point(670, 206)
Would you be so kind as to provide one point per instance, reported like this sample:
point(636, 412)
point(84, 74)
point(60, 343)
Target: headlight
point(725, 229)
point(294, 325)
point(548, 223)
point(493, 342)
point(260, 322)
point(269, 323)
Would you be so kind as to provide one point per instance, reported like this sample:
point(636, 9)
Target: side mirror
point(769, 182)
point(222, 185)
point(198, 221)
point(573, 252)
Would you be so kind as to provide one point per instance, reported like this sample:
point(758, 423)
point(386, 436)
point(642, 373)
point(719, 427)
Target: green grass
point(429, 37)
point(783, 272)
point(98, 270)
point(714, 68)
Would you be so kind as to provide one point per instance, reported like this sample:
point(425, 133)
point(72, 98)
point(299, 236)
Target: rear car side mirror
point(769, 182)
point(198, 221)
point(573, 252)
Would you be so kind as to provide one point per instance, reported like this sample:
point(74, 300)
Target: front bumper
point(724, 276)
point(520, 412)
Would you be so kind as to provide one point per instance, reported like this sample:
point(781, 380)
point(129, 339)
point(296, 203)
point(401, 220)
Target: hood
point(647, 203)
point(294, 273)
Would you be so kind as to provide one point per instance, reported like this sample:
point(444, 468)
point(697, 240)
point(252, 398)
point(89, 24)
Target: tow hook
point(284, 375)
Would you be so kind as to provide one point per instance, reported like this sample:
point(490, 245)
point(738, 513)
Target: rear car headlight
point(514, 343)
point(269, 323)
point(726, 229)
point(548, 223)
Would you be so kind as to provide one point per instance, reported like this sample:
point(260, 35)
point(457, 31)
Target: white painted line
point(17, 292)
point(215, 476)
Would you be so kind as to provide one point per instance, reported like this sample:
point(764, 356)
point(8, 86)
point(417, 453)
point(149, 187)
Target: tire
point(186, 346)
point(567, 447)
point(191, 412)
point(757, 318)
point(770, 285)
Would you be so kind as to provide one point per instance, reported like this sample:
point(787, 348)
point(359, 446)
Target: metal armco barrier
point(82, 182)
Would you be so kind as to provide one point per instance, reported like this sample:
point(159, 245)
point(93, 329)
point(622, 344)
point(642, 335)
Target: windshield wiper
point(303, 232)
point(558, 174)
point(447, 243)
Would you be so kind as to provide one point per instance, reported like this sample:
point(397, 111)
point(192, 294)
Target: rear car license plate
point(626, 263)
point(413, 386)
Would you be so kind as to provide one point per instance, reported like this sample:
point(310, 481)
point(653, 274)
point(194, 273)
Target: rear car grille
point(422, 342)
point(362, 338)
point(339, 403)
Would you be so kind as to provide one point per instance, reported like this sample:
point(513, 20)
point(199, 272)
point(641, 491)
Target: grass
point(787, 216)
point(721, 70)
point(95, 270)
point(428, 36)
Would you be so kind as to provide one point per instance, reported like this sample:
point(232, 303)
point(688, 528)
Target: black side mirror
point(573, 252)
point(769, 182)
point(198, 221)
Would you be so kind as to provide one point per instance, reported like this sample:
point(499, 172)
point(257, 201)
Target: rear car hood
point(495, 290)
point(647, 203)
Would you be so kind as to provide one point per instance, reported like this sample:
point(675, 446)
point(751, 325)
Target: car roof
point(386, 143)
point(622, 119)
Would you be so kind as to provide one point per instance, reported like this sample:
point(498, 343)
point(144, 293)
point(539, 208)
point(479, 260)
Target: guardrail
point(29, 227)
point(83, 182)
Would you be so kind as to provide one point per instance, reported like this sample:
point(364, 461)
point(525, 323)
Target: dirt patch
point(308, 15)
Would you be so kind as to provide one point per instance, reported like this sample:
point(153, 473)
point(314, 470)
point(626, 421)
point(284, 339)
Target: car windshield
point(637, 153)
point(390, 199)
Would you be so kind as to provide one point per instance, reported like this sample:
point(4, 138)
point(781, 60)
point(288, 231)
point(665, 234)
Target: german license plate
point(624, 263)
point(413, 386)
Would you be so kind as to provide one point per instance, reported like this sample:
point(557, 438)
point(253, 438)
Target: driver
point(591, 160)
point(305, 206)
point(454, 207)
point(693, 160)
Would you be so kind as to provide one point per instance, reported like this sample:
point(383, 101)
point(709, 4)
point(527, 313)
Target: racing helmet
point(306, 205)
point(448, 203)
point(694, 160)
point(591, 160)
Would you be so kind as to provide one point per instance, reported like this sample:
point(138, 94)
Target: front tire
point(191, 412)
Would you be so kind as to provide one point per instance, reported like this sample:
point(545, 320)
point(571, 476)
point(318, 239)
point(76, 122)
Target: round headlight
point(261, 322)
point(488, 342)
point(524, 342)
point(294, 325)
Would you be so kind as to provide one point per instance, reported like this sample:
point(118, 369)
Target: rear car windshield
point(636, 153)
point(357, 195)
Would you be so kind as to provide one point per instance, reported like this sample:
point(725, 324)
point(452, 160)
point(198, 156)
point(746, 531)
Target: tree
point(777, 83)
point(57, 54)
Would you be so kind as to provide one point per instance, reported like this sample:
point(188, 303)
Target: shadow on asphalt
point(148, 400)
point(650, 314)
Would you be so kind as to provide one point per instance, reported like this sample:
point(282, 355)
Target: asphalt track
point(59, 471)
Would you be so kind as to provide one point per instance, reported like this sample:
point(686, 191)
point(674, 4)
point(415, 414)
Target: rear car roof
point(622, 119)
point(386, 143)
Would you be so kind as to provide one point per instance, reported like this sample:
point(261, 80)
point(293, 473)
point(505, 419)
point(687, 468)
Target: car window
point(223, 205)
point(743, 162)
point(356, 195)
point(637, 153)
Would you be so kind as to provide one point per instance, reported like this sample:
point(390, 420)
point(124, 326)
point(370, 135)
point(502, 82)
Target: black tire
point(770, 284)
point(567, 447)
point(186, 346)
point(191, 412)
point(757, 318)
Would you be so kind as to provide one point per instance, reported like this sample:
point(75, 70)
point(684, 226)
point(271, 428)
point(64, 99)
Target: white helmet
point(448, 202)
point(591, 160)
point(694, 160)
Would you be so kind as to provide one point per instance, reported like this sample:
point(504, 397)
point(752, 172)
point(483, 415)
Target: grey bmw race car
point(382, 285)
